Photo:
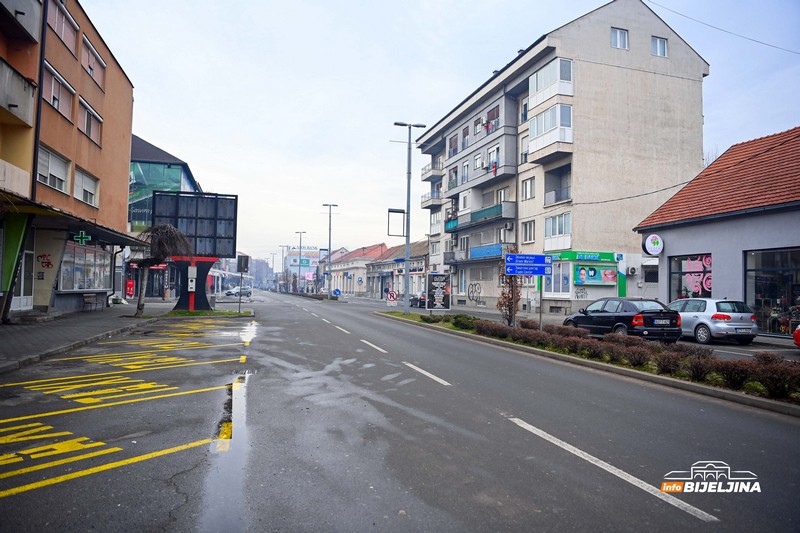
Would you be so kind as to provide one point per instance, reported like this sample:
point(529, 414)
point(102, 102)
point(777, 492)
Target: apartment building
point(562, 152)
point(64, 151)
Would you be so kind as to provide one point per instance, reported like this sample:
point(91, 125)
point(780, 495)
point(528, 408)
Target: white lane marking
point(342, 329)
point(315, 314)
point(328, 321)
point(428, 374)
point(304, 309)
point(636, 482)
point(376, 347)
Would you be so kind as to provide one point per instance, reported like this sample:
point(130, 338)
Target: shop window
point(690, 276)
point(772, 288)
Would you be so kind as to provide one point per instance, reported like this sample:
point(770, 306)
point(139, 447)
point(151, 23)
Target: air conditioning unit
point(483, 164)
point(508, 225)
point(632, 271)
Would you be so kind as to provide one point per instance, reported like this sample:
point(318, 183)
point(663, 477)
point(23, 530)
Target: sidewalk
point(23, 344)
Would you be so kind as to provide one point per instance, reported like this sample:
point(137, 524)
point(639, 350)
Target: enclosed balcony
point(476, 253)
point(432, 199)
point(499, 211)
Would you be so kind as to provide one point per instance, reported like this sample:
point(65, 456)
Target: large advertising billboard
point(595, 274)
point(438, 292)
point(207, 220)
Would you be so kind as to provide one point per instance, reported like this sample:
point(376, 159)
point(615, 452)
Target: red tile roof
point(365, 252)
point(762, 173)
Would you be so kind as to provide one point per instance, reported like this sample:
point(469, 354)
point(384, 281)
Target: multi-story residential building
point(563, 151)
point(153, 169)
point(66, 127)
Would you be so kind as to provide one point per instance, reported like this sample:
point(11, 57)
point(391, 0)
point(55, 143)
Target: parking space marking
point(102, 468)
point(96, 390)
point(427, 374)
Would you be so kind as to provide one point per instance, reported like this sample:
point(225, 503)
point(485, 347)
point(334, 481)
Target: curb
point(689, 386)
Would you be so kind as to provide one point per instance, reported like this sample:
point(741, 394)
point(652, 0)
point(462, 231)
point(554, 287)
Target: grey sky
point(291, 104)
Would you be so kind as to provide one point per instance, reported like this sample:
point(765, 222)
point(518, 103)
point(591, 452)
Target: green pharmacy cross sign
point(82, 238)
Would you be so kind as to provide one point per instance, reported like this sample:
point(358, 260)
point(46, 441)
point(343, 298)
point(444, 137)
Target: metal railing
point(557, 195)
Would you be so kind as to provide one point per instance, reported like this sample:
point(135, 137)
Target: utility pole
point(300, 260)
point(329, 206)
point(283, 263)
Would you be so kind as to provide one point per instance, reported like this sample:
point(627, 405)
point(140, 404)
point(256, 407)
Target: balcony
point(553, 145)
point(17, 96)
point(432, 199)
point(432, 171)
point(557, 195)
point(21, 19)
point(15, 179)
point(500, 211)
point(477, 253)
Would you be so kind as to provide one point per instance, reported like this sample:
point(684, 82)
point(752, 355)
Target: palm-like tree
point(165, 241)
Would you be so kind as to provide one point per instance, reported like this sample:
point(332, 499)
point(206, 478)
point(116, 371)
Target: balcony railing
point(432, 199)
point(450, 225)
point(432, 169)
point(557, 195)
point(492, 126)
point(17, 93)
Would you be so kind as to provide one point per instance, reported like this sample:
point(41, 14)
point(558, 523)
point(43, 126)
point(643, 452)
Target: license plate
point(661, 321)
point(742, 330)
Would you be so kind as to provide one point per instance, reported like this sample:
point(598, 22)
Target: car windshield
point(733, 307)
point(647, 305)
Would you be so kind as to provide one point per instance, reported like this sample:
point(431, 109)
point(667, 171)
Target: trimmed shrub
point(593, 348)
point(625, 340)
point(430, 319)
point(566, 331)
point(488, 328)
point(638, 355)
point(780, 379)
point(699, 366)
point(668, 361)
point(766, 358)
point(526, 323)
point(464, 321)
point(735, 373)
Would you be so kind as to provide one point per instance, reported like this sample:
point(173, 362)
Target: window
point(53, 170)
point(619, 38)
point(84, 267)
point(558, 282)
point(502, 235)
point(493, 119)
point(465, 201)
point(452, 182)
point(57, 92)
point(557, 225)
point(501, 195)
point(557, 70)
point(523, 156)
point(494, 157)
point(523, 111)
point(62, 23)
point(465, 172)
point(85, 187)
point(434, 248)
point(658, 46)
point(89, 121)
point(690, 276)
point(453, 146)
point(558, 115)
point(463, 243)
point(529, 231)
point(465, 138)
point(478, 126)
point(479, 161)
point(528, 188)
point(92, 62)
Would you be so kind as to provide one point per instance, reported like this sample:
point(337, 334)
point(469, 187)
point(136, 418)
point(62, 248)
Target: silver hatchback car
point(707, 319)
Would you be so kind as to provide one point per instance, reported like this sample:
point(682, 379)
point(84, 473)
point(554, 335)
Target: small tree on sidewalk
point(165, 241)
point(510, 294)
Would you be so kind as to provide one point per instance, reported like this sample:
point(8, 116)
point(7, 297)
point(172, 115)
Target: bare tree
point(510, 294)
point(710, 156)
point(165, 241)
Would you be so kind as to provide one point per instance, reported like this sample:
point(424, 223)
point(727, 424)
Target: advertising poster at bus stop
point(438, 292)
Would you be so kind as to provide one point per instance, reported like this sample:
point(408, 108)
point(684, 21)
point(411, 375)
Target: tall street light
point(283, 272)
point(329, 206)
point(300, 259)
point(406, 278)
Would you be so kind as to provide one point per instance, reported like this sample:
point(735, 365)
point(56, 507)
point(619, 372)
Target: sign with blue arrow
point(528, 265)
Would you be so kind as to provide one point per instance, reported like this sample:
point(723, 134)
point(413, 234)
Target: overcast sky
point(291, 104)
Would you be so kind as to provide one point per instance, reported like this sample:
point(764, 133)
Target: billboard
point(595, 275)
point(207, 220)
point(438, 292)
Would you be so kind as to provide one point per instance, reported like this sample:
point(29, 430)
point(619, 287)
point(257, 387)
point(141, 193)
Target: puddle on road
point(224, 505)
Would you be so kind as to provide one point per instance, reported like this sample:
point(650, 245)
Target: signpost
point(530, 265)
point(391, 299)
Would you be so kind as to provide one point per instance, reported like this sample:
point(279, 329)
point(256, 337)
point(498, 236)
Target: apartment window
point(463, 243)
point(465, 138)
point(658, 46)
point(501, 194)
point(479, 161)
point(529, 231)
point(62, 23)
point(92, 62)
point(528, 188)
point(557, 225)
point(558, 282)
point(502, 235)
point(493, 119)
point(434, 248)
point(478, 126)
point(523, 156)
point(559, 115)
point(494, 158)
point(453, 146)
point(523, 113)
point(57, 92)
point(89, 121)
point(619, 38)
point(558, 70)
point(465, 172)
point(85, 187)
point(53, 170)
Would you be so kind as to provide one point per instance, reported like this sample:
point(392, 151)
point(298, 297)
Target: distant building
point(65, 138)
point(561, 152)
point(734, 232)
point(349, 272)
point(386, 272)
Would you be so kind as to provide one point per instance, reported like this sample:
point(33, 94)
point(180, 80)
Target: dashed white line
point(428, 374)
point(342, 329)
point(315, 314)
point(328, 321)
point(636, 482)
point(304, 309)
point(376, 347)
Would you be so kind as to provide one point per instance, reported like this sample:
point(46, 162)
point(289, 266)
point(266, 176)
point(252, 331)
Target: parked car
point(419, 300)
point(706, 319)
point(649, 319)
point(797, 336)
point(246, 291)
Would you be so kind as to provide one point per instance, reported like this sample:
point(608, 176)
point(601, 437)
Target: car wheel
point(702, 334)
point(744, 342)
point(570, 324)
point(620, 330)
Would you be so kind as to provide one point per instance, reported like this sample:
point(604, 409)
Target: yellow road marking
point(89, 407)
point(140, 352)
point(243, 359)
point(102, 468)
point(99, 374)
point(42, 466)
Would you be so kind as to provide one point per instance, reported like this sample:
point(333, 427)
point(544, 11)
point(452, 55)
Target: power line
point(634, 196)
point(723, 30)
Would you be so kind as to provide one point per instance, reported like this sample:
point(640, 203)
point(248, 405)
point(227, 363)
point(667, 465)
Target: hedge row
point(778, 378)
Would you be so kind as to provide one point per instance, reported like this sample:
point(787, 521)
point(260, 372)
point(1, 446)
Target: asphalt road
point(320, 416)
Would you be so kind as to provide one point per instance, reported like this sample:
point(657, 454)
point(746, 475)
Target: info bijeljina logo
point(710, 476)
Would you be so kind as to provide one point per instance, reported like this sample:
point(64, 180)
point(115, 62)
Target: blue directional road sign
point(528, 265)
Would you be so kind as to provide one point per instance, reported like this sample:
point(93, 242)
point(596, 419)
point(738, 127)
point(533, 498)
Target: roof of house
point(365, 252)
point(758, 175)
point(418, 249)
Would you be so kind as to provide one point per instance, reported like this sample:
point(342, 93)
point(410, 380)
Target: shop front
point(772, 288)
point(580, 277)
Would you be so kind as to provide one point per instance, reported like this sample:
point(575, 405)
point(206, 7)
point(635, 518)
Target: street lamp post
point(329, 206)
point(406, 277)
point(287, 246)
point(300, 259)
